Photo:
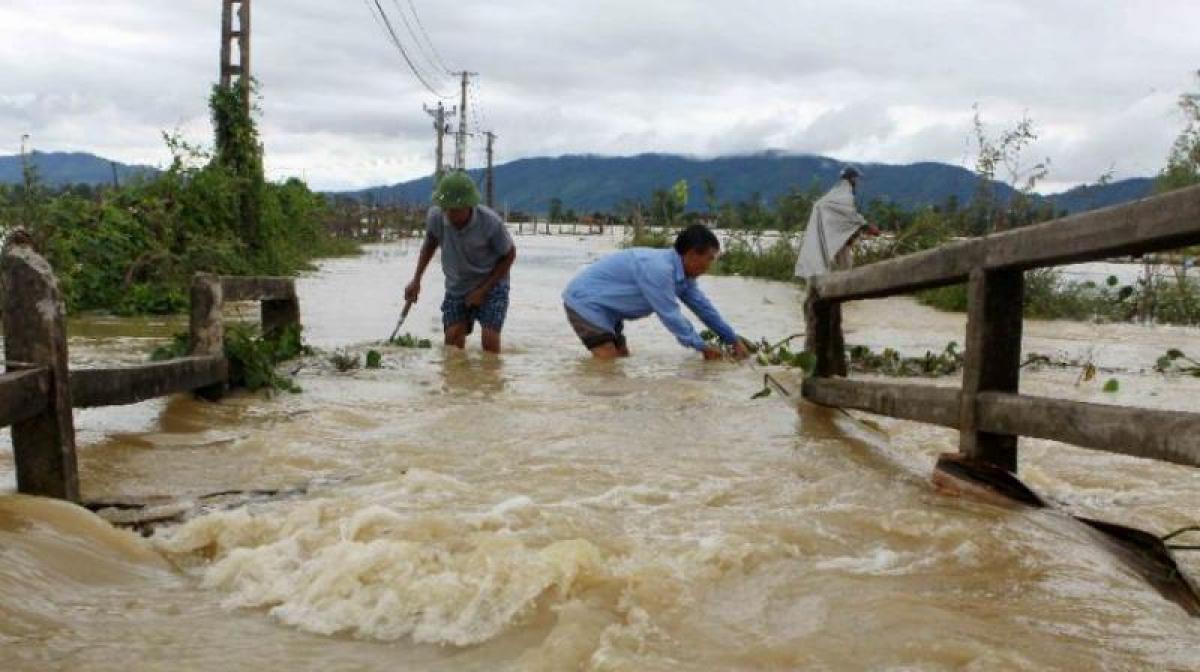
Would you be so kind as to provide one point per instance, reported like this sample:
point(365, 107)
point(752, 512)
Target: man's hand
point(476, 296)
point(413, 291)
point(740, 351)
point(712, 353)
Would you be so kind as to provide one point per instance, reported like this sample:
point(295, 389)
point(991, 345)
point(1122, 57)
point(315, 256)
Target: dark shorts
point(593, 336)
point(490, 314)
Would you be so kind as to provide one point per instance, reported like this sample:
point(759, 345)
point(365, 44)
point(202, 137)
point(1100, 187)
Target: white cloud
point(857, 79)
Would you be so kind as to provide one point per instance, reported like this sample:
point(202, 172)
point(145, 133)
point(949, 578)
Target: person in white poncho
point(832, 227)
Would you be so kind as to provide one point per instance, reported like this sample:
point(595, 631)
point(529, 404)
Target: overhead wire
point(423, 46)
point(395, 39)
point(426, 59)
point(480, 133)
point(428, 41)
point(477, 106)
point(429, 75)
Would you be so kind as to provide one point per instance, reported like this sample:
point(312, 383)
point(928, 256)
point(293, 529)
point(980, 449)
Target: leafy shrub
point(135, 249)
point(749, 257)
point(374, 359)
point(252, 358)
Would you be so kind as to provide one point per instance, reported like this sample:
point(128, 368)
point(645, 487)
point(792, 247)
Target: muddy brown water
point(544, 512)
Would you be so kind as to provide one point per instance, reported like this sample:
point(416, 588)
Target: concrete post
point(823, 336)
point(35, 333)
point(206, 327)
point(993, 360)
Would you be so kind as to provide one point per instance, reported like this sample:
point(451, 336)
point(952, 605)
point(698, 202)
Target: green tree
point(1004, 152)
point(556, 213)
point(239, 152)
point(1183, 165)
point(668, 205)
point(794, 207)
point(710, 195)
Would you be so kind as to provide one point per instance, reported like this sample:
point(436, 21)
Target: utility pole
point(440, 115)
point(460, 139)
point(242, 35)
point(24, 157)
point(490, 189)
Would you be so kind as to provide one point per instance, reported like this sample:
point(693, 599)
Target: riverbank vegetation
point(134, 248)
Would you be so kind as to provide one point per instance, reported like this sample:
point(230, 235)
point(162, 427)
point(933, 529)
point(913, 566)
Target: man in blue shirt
point(631, 284)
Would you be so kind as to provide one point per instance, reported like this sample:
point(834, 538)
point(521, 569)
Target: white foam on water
point(335, 567)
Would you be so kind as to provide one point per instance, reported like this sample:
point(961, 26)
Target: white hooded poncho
point(834, 220)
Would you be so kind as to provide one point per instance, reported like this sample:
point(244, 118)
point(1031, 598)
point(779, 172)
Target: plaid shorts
point(490, 314)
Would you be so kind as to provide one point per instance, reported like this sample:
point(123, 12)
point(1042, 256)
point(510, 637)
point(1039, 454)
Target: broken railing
point(38, 391)
point(988, 410)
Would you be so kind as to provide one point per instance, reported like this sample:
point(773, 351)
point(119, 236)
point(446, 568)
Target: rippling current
point(540, 511)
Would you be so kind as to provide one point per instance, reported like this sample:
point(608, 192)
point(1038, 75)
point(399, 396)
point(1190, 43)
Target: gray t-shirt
point(469, 254)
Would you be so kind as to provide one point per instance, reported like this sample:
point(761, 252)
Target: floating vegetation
point(889, 362)
point(344, 361)
point(409, 341)
point(374, 359)
point(1174, 361)
point(1112, 386)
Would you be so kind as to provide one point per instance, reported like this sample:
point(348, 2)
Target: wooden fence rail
point(38, 391)
point(987, 410)
point(1163, 222)
point(1170, 436)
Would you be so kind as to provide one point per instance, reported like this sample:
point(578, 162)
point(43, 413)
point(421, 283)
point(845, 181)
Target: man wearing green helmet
point(477, 253)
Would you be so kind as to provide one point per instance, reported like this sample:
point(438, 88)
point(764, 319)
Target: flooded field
point(541, 511)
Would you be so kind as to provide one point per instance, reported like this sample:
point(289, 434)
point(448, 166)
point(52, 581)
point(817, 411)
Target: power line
point(420, 72)
point(425, 51)
point(477, 105)
point(428, 41)
point(403, 52)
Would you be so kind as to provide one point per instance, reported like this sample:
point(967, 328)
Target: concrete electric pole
point(490, 182)
point(242, 35)
point(460, 139)
point(440, 115)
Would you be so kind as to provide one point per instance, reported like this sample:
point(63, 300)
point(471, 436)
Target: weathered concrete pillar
point(823, 335)
point(206, 327)
point(279, 314)
point(993, 360)
point(35, 333)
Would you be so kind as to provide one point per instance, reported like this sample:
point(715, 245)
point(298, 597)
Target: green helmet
point(456, 190)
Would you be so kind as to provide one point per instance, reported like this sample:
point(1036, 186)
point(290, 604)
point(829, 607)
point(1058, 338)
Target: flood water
point(540, 511)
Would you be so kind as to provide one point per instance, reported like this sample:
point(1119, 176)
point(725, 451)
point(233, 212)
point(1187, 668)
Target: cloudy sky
point(855, 79)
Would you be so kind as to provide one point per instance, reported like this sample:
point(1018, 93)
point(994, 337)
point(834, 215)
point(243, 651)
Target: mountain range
point(59, 169)
point(589, 183)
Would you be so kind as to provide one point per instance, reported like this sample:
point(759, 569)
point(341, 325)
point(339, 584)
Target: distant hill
point(597, 183)
point(1091, 197)
point(588, 183)
point(62, 168)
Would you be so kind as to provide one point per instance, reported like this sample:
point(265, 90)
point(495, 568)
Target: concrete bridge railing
point(38, 390)
point(988, 410)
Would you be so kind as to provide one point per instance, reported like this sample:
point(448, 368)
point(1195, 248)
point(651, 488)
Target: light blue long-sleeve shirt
point(633, 283)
